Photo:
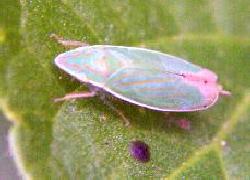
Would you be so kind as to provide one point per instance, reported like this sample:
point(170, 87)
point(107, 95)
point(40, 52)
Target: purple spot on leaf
point(140, 151)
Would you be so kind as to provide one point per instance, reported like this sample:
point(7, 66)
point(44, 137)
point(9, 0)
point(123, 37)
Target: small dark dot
point(140, 151)
point(205, 81)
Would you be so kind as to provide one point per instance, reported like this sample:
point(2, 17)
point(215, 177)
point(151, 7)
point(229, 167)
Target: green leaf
point(207, 164)
point(85, 138)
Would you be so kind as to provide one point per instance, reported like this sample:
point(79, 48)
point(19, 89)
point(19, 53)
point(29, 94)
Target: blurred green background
point(71, 140)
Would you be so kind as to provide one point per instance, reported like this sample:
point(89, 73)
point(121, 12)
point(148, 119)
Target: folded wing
point(157, 90)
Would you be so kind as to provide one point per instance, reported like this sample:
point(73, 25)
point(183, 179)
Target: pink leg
point(184, 124)
point(68, 43)
point(76, 95)
point(225, 93)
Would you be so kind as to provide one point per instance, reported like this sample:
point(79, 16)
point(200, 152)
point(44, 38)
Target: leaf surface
point(86, 139)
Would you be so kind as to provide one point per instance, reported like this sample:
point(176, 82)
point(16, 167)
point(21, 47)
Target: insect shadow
point(138, 117)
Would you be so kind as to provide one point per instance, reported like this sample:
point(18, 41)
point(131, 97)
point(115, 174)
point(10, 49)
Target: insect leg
point(76, 95)
point(111, 106)
point(224, 92)
point(68, 43)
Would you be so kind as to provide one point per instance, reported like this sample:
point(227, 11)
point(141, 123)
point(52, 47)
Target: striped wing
point(159, 90)
point(97, 63)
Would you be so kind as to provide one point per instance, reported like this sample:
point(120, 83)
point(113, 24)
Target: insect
point(145, 77)
point(140, 151)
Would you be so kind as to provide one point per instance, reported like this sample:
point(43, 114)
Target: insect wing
point(159, 90)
